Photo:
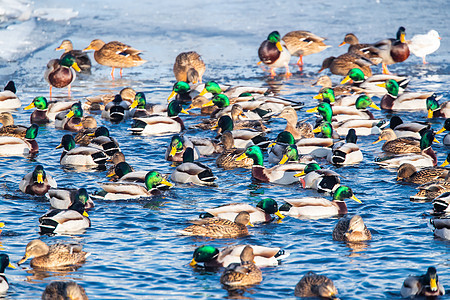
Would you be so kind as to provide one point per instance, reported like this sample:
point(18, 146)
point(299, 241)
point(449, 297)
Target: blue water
point(136, 251)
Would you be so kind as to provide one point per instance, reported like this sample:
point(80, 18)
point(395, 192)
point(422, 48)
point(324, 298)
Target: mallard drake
point(274, 54)
point(46, 112)
point(435, 110)
point(441, 228)
point(220, 228)
point(259, 214)
point(80, 156)
point(13, 146)
point(141, 109)
point(347, 153)
point(156, 124)
point(8, 97)
point(313, 285)
point(84, 136)
point(233, 92)
point(291, 156)
point(313, 207)
point(397, 145)
point(406, 101)
point(213, 257)
point(301, 43)
point(178, 144)
point(446, 126)
point(115, 54)
point(328, 95)
point(82, 59)
point(182, 91)
point(117, 158)
point(64, 198)
point(54, 256)
point(325, 82)
point(8, 128)
point(37, 182)
point(277, 148)
point(343, 63)
point(227, 159)
point(423, 44)
point(61, 72)
point(72, 120)
point(124, 189)
point(427, 285)
point(64, 290)
point(243, 138)
point(409, 173)
point(4, 262)
point(441, 203)
point(351, 230)
point(410, 129)
point(117, 110)
point(73, 220)
point(391, 51)
point(103, 141)
point(123, 172)
point(321, 180)
point(244, 273)
point(325, 131)
point(192, 172)
point(189, 67)
point(280, 174)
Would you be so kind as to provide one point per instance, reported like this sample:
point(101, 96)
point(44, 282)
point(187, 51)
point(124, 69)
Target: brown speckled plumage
point(351, 230)
point(313, 285)
point(62, 290)
point(408, 173)
point(243, 274)
point(189, 67)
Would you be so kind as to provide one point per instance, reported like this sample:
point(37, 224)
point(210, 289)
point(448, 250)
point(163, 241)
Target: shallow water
point(136, 250)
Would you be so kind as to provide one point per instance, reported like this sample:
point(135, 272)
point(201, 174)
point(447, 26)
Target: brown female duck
point(301, 43)
point(189, 67)
point(243, 274)
point(82, 59)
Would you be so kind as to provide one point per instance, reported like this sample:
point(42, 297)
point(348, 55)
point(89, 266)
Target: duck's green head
point(4, 262)
point(154, 178)
point(269, 206)
point(308, 169)
point(188, 155)
point(69, 61)
point(255, 153)
point(174, 108)
point(326, 128)
point(204, 254)
point(176, 144)
point(324, 109)
point(32, 132)
point(275, 38)
point(221, 100)
point(290, 154)
point(225, 123)
point(67, 142)
point(327, 94)
point(38, 102)
point(354, 74)
point(427, 139)
point(179, 87)
point(75, 111)
point(284, 137)
point(364, 101)
point(139, 101)
point(344, 192)
point(391, 87)
point(401, 34)
point(351, 136)
point(121, 169)
point(211, 87)
point(39, 174)
point(445, 127)
point(432, 105)
point(82, 195)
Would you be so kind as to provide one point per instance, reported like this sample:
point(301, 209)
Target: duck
point(117, 110)
point(328, 95)
point(343, 63)
point(13, 146)
point(212, 257)
point(291, 156)
point(321, 180)
point(117, 158)
point(61, 72)
point(192, 172)
point(430, 191)
point(244, 273)
point(279, 174)
point(351, 230)
point(80, 156)
point(227, 159)
point(338, 90)
point(220, 228)
point(435, 110)
point(423, 44)
point(446, 126)
point(290, 115)
point(71, 121)
point(99, 102)
point(313, 207)
point(427, 285)
point(64, 198)
point(259, 214)
point(277, 148)
point(55, 256)
point(301, 43)
point(410, 129)
point(103, 141)
point(156, 124)
point(347, 153)
point(189, 67)
point(9, 128)
point(406, 101)
point(314, 285)
point(243, 138)
point(355, 47)
point(397, 145)
point(141, 109)
point(325, 131)
point(73, 220)
point(37, 182)
point(4, 263)
point(82, 59)
point(233, 92)
point(441, 228)
point(154, 185)
point(64, 290)
point(409, 173)
point(46, 112)
point(84, 136)
point(115, 55)
point(123, 172)
point(8, 98)
point(178, 144)
point(183, 92)
point(441, 203)
point(274, 54)
point(426, 158)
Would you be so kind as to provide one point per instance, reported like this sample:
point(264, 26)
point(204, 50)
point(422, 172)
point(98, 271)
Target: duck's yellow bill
point(70, 114)
point(24, 258)
point(373, 105)
point(193, 263)
point(445, 163)
point(346, 79)
point(379, 140)
point(165, 182)
point(88, 48)
point(59, 146)
point(40, 178)
point(356, 199)
point(318, 97)
point(76, 67)
point(284, 160)
point(250, 224)
point(210, 103)
point(433, 285)
point(271, 145)
point(111, 174)
point(300, 174)
point(441, 130)
point(241, 157)
point(436, 141)
point(171, 95)
point(134, 104)
point(85, 214)
point(312, 110)
point(317, 129)
point(184, 111)
point(342, 44)
point(204, 91)
point(278, 44)
point(2, 224)
point(11, 266)
point(279, 215)
point(173, 150)
point(30, 106)
point(383, 85)
point(430, 114)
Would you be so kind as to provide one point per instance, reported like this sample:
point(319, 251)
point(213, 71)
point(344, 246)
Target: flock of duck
point(241, 117)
